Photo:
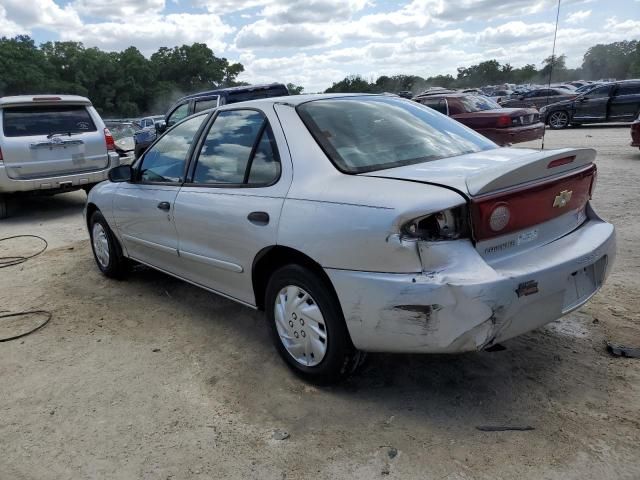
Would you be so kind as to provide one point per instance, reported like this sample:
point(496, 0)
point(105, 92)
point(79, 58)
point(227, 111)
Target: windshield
point(366, 133)
point(476, 103)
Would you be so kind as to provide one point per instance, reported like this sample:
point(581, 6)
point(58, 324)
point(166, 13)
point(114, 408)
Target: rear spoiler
point(535, 166)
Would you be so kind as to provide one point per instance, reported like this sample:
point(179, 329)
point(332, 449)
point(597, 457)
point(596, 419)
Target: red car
point(635, 133)
point(502, 125)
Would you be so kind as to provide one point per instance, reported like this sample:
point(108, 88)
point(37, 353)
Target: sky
point(314, 43)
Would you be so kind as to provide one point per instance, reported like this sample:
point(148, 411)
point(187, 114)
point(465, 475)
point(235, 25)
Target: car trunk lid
point(50, 138)
point(518, 198)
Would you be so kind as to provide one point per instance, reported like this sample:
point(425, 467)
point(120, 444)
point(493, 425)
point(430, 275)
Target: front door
point(592, 107)
point(229, 208)
point(143, 208)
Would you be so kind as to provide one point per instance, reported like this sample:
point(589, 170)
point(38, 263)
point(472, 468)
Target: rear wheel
point(106, 249)
point(558, 119)
point(307, 326)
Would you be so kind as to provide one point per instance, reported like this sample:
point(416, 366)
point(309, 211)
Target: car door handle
point(166, 206)
point(259, 218)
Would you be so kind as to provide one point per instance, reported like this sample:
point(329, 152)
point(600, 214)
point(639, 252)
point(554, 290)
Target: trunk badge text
point(562, 199)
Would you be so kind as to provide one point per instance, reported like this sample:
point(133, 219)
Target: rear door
point(625, 103)
point(593, 106)
point(143, 208)
point(51, 139)
point(229, 210)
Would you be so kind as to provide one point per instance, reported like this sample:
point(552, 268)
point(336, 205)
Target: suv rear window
point(46, 119)
point(367, 133)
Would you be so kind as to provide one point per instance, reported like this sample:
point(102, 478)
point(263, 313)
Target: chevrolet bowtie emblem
point(562, 199)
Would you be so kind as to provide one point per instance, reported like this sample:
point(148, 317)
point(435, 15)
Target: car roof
point(242, 88)
point(295, 100)
point(51, 99)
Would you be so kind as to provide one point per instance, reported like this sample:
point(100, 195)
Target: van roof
point(52, 99)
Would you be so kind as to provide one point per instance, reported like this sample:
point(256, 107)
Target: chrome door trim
point(147, 243)
point(196, 284)
point(231, 267)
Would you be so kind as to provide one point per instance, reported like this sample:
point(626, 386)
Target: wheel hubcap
point(558, 119)
point(300, 325)
point(100, 245)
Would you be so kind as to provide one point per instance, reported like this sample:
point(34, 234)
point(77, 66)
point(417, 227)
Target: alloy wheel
point(559, 119)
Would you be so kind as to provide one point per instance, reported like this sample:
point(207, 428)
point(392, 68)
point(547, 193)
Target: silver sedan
point(359, 223)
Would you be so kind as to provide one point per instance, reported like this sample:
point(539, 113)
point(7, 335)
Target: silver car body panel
point(397, 294)
point(36, 162)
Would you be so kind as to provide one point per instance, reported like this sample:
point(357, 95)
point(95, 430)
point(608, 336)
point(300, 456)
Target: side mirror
point(161, 127)
point(121, 173)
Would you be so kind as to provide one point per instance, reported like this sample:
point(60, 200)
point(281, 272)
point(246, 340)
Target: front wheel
point(307, 326)
point(558, 119)
point(106, 249)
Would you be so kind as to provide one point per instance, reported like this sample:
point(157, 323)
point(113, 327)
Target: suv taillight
point(108, 138)
point(1, 159)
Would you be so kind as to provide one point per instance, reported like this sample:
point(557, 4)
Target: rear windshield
point(46, 120)
point(367, 133)
point(477, 103)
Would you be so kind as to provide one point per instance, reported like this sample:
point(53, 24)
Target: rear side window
point(46, 120)
point(367, 133)
point(238, 149)
point(202, 105)
point(630, 89)
point(438, 104)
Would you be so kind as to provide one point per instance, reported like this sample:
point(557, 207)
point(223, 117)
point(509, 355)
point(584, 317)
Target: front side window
point(46, 120)
point(238, 149)
point(367, 133)
point(165, 160)
point(600, 92)
point(178, 114)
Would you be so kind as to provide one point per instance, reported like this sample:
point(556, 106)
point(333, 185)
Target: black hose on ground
point(17, 260)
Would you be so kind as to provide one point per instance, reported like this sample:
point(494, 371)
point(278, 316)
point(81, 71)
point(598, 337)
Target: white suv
point(52, 144)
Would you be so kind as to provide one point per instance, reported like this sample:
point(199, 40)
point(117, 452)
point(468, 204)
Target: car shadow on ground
point(26, 209)
point(513, 386)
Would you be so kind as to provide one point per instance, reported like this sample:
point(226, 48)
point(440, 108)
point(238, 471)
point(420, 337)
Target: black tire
point(3, 207)
point(341, 358)
point(117, 265)
point(558, 119)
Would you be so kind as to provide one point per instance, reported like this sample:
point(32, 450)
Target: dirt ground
point(151, 378)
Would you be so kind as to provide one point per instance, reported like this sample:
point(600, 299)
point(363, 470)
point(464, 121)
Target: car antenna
point(553, 61)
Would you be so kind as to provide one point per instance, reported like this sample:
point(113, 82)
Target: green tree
point(294, 89)
point(23, 67)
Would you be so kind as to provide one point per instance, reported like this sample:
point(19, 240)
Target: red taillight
point(509, 211)
point(560, 161)
point(108, 138)
point(504, 121)
point(1, 159)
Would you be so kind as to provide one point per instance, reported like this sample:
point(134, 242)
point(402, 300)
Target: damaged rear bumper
point(471, 304)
